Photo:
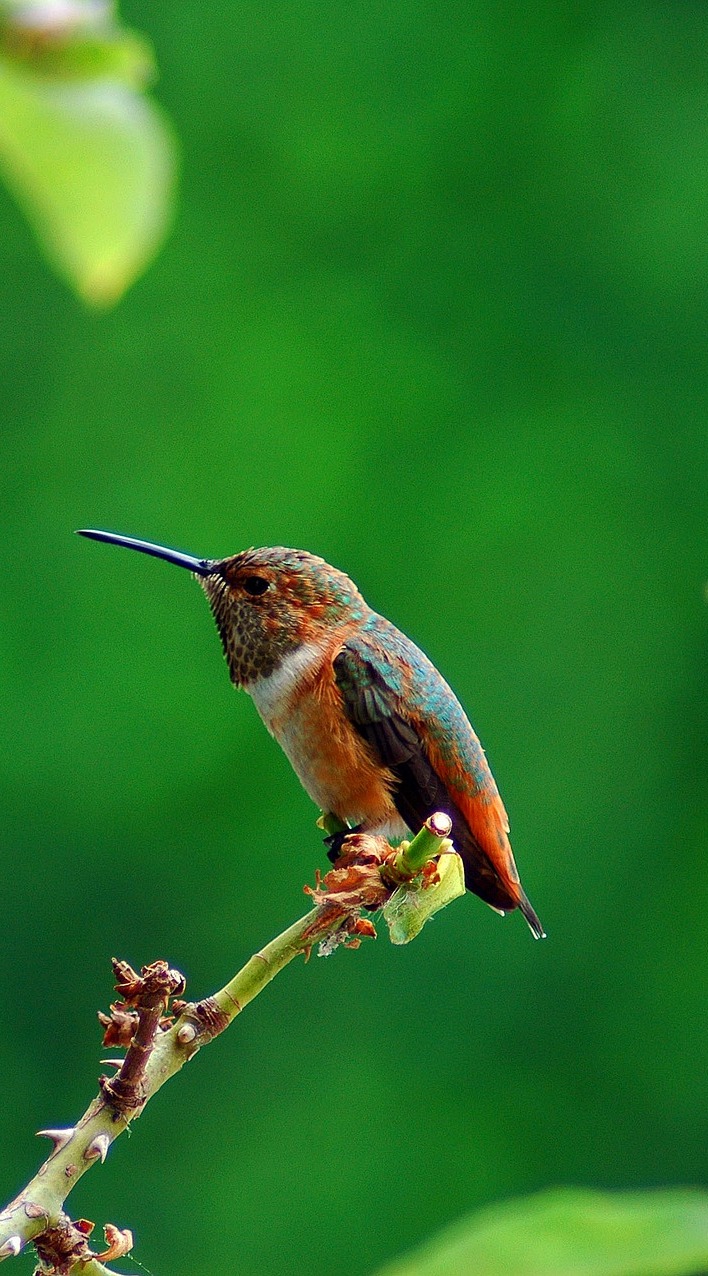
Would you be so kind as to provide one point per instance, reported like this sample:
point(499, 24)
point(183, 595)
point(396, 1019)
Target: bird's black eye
point(255, 585)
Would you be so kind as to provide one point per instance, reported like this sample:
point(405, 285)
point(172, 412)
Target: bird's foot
point(335, 842)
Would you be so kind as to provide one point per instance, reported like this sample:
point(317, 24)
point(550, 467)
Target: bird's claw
point(335, 842)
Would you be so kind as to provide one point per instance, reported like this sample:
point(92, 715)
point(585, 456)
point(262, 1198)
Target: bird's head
point(266, 602)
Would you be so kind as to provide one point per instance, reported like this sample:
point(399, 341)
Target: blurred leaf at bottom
point(569, 1232)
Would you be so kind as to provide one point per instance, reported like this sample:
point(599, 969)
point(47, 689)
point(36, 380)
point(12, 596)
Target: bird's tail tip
point(532, 918)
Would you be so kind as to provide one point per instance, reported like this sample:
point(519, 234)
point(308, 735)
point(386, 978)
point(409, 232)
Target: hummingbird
point(375, 735)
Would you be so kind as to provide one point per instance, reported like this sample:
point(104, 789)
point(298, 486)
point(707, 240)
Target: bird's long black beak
point(202, 566)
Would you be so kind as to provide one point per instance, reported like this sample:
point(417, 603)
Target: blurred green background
point(434, 308)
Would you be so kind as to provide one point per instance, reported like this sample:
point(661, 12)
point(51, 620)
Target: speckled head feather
point(267, 602)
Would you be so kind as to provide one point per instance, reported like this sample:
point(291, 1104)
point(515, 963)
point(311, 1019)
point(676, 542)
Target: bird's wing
point(371, 691)
point(397, 745)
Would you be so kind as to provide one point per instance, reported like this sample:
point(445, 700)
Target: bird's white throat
point(272, 694)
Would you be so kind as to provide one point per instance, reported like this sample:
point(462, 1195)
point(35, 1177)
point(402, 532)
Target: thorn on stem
point(59, 1138)
point(98, 1147)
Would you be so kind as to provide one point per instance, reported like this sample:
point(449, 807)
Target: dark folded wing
point(371, 706)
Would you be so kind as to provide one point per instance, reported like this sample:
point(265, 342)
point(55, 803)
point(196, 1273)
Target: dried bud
point(119, 1243)
point(355, 883)
point(365, 928)
point(119, 1026)
point(128, 982)
point(178, 983)
point(159, 978)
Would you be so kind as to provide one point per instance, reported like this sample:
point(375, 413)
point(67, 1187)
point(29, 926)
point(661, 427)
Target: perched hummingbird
point(374, 733)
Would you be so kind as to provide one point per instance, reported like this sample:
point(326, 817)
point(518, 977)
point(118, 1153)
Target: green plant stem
point(431, 840)
point(266, 964)
point(39, 1204)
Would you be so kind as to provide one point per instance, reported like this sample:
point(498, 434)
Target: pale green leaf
point(92, 164)
point(572, 1232)
point(414, 903)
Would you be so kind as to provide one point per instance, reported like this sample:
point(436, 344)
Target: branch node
point(60, 1247)
point(135, 1022)
point(212, 1019)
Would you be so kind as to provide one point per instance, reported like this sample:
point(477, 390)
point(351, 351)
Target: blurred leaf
point(89, 158)
point(573, 1233)
point(62, 39)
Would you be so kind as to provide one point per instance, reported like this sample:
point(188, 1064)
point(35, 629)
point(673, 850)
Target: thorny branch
point(367, 876)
